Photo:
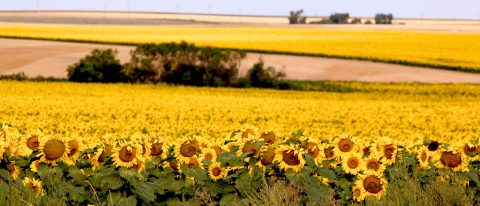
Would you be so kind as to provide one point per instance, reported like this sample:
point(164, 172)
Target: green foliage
point(259, 76)
point(339, 18)
point(296, 17)
point(184, 64)
point(356, 21)
point(383, 18)
point(98, 66)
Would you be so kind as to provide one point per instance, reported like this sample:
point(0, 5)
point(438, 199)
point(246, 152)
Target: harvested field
point(50, 58)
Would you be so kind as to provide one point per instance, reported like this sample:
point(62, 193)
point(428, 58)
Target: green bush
point(259, 76)
point(383, 18)
point(297, 18)
point(356, 21)
point(183, 63)
point(98, 66)
point(340, 18)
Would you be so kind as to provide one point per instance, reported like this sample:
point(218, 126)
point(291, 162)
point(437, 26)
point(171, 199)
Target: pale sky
point(450, 9)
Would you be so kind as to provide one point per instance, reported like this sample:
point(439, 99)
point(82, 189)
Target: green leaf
point(77, 193)
point(248, 184)
point(111, 182)
point(76, 175)
point(164, 183)
point(470, 176)
point(329, 174)
point(231, 199)
point(117, 199)
point(5, 174)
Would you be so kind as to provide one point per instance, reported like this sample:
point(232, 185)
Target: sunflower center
point(216, 171)
point(173, 165)
point(11, 167)
point(291, 158)
point(352, 162)
point(33, 143)
point(269, 138)
point(366, 151)
point(247, 133)
point(208, 156)
point(389, 150)
point(313, 149)
point(73, 145)
point(193, 163)
point(329, 153)
point(470, 151)
point(268, 157)
point(53, 149)
point(372, 184)
point(249, 147)
point(126, 155)
point(156, 149)
point(433, 146)
point(451, 160)
point(424, 156)
point(188, 149)
point(373, 165)
point(357, 193)
point(345, 145)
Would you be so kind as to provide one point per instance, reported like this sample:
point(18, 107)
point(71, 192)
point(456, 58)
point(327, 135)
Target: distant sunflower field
point(122, 144)
point(457, 51)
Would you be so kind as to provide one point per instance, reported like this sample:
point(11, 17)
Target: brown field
point(50, 58)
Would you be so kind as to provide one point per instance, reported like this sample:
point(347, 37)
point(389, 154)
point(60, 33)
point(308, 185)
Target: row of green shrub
point(339, 18)
point(175, 63)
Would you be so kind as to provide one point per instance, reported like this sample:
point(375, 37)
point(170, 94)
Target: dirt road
point(50, 58)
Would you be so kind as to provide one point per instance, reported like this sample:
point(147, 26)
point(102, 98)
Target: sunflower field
point(457, 51)
point(121, 144)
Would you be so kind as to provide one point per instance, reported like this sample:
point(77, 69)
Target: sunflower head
point(34, 185)
point(373, 185)
point(373, 164)
point(32, 142)
point(352, 163)
point(268, 156)
point(127, 154)
point(453, 160)
point(13, 170)
point(53, 150)
point(269, 138)
point(433, 146)
point(290, 157)
point(216, 172)
point(188, 148)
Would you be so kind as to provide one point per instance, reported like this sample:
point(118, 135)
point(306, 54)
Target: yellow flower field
point(139, 144)
point(406, 112)
point(444, 50)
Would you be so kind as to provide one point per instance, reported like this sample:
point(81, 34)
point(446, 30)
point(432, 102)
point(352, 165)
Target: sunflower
point(248, 146)
point(470, 150)
point(246, 133)
point(374, 164)
point(158, 149)
point(266, 157)
point(344, 145)
point(34, 185)
point(53, 149)
point(312, 148)
point(290, 157)
point(216, 172)
point(187, 148)
point(269, 138)
point(352, 163)
point(433, 146)
point(13, 170)
point(100, 157)
point(127, 154)
point(454, 160)
point(75, 147)
point(358, 193)
point(34, 166)
point(193, 162)
point(386, 149)
point(423, 156)
point(172, 164)
point(208, 154)
point(372, 184)
point(28, 144)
